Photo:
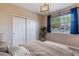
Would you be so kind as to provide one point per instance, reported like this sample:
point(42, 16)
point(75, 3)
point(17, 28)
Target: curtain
point(74, 21)
point(49, 23)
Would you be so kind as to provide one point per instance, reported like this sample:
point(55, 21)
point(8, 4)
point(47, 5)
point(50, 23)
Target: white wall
point(7, 12)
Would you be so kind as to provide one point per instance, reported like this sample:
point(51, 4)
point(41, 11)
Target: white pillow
point(18, 51)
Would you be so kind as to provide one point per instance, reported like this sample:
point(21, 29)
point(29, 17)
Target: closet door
point(18, 30)
point(31, 30)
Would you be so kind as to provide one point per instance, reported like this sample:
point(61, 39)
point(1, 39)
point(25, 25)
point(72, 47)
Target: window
point(61, 24)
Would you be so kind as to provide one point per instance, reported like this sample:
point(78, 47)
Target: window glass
point(61, 24)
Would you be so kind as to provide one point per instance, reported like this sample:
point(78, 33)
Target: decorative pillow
point(4, 54)
point(3, 47)
point(18, 51)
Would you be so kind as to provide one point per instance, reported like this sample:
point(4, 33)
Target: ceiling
point(35, 7)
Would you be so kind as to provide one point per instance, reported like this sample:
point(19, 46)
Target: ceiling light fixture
point(44, 8)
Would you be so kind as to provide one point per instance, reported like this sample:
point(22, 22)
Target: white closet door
point(31, 30)
point(18, 31)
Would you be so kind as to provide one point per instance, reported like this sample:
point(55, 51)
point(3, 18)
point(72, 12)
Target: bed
point(37, 48)
point(47, 48)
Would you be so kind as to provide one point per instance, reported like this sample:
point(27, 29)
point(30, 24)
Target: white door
point(18, 31)
point(31, 30)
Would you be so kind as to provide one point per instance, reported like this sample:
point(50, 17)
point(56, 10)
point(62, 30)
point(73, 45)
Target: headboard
point(68, 39)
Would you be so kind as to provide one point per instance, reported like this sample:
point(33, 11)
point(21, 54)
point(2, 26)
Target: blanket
point(38, 48)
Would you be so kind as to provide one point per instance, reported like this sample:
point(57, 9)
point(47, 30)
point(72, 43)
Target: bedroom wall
point(45, 21)
point(65, 38)
point(68, 39)
point(7, 12)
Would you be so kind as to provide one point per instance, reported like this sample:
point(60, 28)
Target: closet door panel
point(31, 30)
point(18, 31)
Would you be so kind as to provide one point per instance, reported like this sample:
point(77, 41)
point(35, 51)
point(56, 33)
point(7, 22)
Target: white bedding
point(47, 48)
point(18, 51)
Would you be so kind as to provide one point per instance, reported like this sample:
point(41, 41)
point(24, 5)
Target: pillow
point(18, 51)
point(4, 54)
point(3, 47)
